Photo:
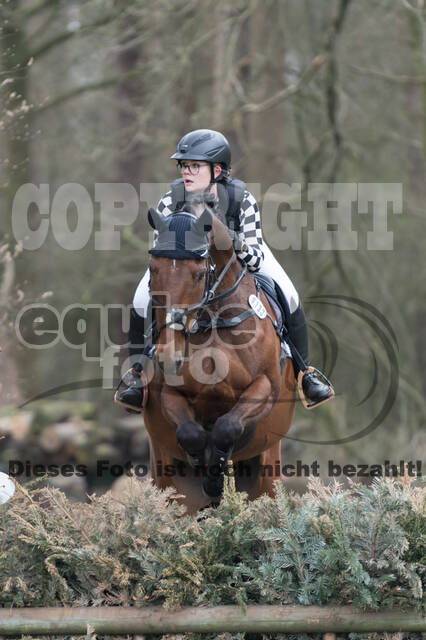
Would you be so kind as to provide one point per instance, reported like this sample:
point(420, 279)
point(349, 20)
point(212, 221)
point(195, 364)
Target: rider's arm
point(251, 233)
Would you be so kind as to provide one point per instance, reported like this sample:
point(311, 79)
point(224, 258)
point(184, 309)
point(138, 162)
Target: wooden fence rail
point(256, 618)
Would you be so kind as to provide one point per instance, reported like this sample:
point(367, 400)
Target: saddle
point(280, 308)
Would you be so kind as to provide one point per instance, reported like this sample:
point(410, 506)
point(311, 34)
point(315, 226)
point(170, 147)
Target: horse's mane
point(218, 213)
point(221, 238)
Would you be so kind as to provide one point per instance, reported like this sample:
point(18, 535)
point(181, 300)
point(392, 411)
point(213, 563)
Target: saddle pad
point(279, 318)
point(268, 287)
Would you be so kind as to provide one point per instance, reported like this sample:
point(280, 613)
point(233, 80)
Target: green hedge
point(333, 545)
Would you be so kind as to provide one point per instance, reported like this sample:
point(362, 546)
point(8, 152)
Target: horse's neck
point(222, 250)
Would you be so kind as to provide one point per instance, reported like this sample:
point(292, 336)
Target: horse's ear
point(204, 224)
point(157, 220)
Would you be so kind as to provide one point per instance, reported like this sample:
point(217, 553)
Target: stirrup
point(143, 387)
point(312, 405)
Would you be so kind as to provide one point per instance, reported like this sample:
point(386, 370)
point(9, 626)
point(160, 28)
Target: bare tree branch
point(104, 83)
point(45, 47)
point(389, 76)
point(28, 12)
point(316, 64)
point(409, 6)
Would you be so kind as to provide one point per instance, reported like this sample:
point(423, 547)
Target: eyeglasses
point(192, 168)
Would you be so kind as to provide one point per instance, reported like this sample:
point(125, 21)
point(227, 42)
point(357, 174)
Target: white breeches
point(270, 267)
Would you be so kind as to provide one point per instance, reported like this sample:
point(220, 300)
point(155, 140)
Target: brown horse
point(217, 392)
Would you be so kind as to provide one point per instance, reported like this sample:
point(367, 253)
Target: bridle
point(176, 318)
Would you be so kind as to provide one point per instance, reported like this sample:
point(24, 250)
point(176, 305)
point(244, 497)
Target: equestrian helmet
point(204, 144)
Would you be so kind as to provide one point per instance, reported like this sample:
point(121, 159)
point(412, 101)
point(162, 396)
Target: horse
point(217, 395)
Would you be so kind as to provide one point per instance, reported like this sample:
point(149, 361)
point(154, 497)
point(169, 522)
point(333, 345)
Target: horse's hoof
point(213, 488)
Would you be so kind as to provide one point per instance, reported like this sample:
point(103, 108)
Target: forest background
point(330, 92)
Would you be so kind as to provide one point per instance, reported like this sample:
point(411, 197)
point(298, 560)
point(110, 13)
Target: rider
point(204, 159)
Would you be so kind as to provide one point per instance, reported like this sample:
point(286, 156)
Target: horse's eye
point(201, 276)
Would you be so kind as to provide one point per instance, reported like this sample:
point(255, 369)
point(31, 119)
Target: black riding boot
point(315, 390)
point(132, 395)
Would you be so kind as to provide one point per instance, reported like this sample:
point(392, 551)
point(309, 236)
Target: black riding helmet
point(205, 144)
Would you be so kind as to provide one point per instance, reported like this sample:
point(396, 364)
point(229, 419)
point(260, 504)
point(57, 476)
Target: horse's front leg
point(190, 435)
point(254, 404)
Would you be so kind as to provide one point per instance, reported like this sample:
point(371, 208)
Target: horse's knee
point(226, 433)
point(191, 437)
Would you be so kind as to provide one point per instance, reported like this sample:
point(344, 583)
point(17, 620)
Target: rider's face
point(201, 179)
